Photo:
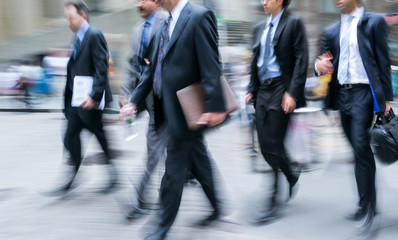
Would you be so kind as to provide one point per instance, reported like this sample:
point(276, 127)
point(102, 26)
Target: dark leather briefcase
point(192, 100)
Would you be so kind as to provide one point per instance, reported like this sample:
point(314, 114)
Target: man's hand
point(127, 110)
point(249, 97)
point(122, 101)
point(212, 118)
point(88, 103)
point(388, 107)
point(288, 103)
point(324, 63)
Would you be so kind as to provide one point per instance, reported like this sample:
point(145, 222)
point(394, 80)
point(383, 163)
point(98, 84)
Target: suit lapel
point(179, 27)
point(85, 40)
point(137, 41)
point(279, 29)
point(259, 34)
point(337, 40)
point(360, 32)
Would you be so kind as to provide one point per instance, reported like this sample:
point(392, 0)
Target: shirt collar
point(357, 14)
point(276, 19)
point(175, 13)
point(151, 18)
point(82, 30)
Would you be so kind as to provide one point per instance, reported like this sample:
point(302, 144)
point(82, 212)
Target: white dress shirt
point(273, 68)
point(356, 69)
point(175, 14)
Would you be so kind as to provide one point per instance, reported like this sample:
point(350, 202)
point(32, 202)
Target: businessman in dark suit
point(278, 75)
point(185, 51)
point(89, 58)
point(355, 52)
point(156, 137)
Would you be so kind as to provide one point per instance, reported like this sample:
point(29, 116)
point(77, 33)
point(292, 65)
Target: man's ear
point(83, 14)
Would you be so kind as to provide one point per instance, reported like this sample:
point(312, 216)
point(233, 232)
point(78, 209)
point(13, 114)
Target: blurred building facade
point(20, 18)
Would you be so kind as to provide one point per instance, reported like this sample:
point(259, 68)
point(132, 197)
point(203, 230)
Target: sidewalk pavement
point(32, 161)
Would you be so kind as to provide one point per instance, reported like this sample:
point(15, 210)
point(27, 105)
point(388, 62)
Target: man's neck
point(351, 9)
point(173, 5)
point(273, 15)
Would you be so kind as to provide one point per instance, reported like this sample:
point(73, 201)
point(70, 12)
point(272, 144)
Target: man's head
point(273, 7)
point(168, 5)
point(76, 12)
point(147, 7)
point(347, 6)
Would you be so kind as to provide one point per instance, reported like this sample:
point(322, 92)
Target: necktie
point(77, 45)
point(342, 74)
point(267, 53)
point(144, 39)
point(268, 44)
point(164, 40)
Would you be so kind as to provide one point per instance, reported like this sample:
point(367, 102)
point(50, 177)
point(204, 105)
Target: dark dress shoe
point(369, 225)
point(135, 213)
point(358, 215)
point(59, 191)
point(293, 183)
point(112, 186)
point(210, 219)
point(266, 217)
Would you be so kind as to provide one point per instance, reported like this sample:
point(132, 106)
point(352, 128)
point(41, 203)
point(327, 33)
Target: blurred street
point(32, 158)
point(32, 161)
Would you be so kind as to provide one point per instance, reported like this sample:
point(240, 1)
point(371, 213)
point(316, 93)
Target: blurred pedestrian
point(89, 60)
point(278, 75)
point(355, 52)
point(156, 137)
point(185, 51)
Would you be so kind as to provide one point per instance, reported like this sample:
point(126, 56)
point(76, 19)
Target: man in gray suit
point(185, 51)
point(156, 137)
point(278, 75)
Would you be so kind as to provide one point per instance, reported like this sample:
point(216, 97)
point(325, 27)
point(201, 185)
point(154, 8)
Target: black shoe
point(293, 182)
point(265, 217)
point(369, 225)
point(358, 215)
point(210, 219)
point(112, 186)
point(59, 191)
point(135, 213)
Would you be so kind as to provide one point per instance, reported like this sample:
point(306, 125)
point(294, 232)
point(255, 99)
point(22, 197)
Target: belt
point(269, 81)
point(357, 85)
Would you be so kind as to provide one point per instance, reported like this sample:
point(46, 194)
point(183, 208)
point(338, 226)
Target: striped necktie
point(342, 74)
point(164, 40)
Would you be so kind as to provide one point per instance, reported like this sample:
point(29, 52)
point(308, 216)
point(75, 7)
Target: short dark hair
point(285, 3)
point(80, 7)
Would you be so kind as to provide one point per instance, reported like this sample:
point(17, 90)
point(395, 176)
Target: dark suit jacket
point(373, 47)
point(91, 60)
point(191, 56)
point(291, 50)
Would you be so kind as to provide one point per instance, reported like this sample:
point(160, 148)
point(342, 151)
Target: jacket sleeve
point(254, 83)
point(206, 44)
point(381, 54)
point(99, 57)
point(300, 55)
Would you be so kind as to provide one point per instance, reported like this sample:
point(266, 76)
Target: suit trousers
point(78, 119)
point(156, 152)
point(356, 108)
point(271, 124)
point(182, 156)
